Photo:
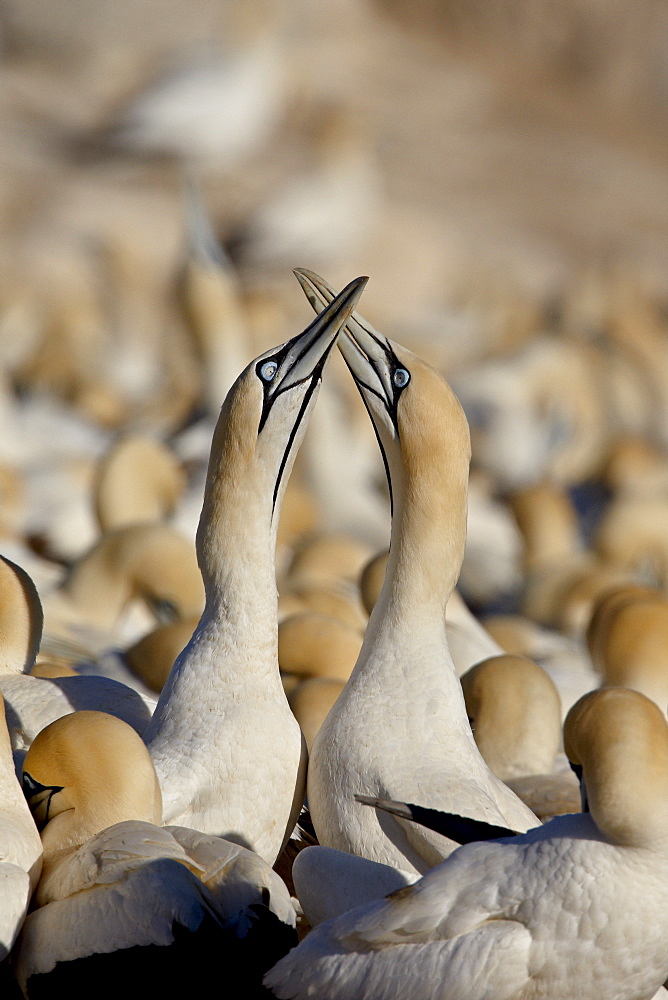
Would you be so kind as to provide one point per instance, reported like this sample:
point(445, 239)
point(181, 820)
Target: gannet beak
point(308, 351)
point(39, 797)
point(303, 358)
point(368, 354)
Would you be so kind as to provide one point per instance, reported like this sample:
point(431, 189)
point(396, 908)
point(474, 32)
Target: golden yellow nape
point(85, 772)
point(620, 740)
point(515, 712)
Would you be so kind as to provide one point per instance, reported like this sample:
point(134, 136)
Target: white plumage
point(400, 722)
point(573, 910)
point(226, 747)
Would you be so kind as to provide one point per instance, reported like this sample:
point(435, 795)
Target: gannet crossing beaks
point(385, 377)
point(304, 356)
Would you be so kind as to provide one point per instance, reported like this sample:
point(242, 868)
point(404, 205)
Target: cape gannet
point(226, 747)
point(400, 721)
point(123, 904)
point(536, 915)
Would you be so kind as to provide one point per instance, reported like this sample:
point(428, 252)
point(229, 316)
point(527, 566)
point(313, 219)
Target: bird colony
point(333, 663)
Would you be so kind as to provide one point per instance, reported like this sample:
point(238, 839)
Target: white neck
point(406, 631)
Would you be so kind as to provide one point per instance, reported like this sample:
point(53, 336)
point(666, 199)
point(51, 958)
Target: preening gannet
point(123, 904)
point(226, 747)
point(31, 702)
point(400, 721)
point(20, 847)
point(536, 915)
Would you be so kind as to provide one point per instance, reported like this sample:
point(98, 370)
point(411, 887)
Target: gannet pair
point(227, 750)
point(574, 910)
point(123, 904)
point(399, 727)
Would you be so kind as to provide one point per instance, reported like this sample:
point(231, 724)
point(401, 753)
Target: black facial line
point(358, 383)
point(268, 396)
point(315, 378)
point(393, 363)
point(382, 451)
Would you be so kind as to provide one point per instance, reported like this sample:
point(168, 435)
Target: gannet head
point(21, 619)
point(515, 713)
point(85, 772)
point(262, 422)
point(618, 741)
point(417, 418)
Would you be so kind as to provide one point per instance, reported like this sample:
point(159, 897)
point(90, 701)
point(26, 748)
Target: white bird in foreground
point(20, 847)
point(228, 751)
point(125, 907)
point(399, 728)
point(537, 915)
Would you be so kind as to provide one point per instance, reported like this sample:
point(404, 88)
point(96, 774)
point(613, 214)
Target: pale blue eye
point(401, 378)
point(268, 370)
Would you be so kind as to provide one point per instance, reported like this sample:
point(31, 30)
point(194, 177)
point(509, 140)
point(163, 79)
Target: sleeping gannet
point(400, 721)
point(226, 747)
point(536, 915)
point(123, 903)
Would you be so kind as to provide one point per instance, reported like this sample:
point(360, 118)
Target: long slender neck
point(236, 539)
point(427, 544)
point(405, 638)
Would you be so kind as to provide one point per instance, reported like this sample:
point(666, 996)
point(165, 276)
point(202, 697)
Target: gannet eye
point(401, 378)
point(29, 783)
point(268, 370)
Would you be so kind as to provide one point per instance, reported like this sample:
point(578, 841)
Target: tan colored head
point(261, 425)
point(515, 713)
point(328, 557)
point(316, 645)
point(85, 772)
point(628, 638)
point(620, 740)
point(311, 701)
point(149, 562)
point(424, 437)
point(139, 479)
point(21, 619)
point(152, 657)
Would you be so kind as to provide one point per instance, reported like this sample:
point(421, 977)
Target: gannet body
point(531, 916)
point(133, 900)
point(226, 747)
point(400, 721)
point(20, 847)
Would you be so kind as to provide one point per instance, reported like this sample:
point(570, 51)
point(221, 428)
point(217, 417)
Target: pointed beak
point(366, 351)
point(305, 355)
point(39, 797)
